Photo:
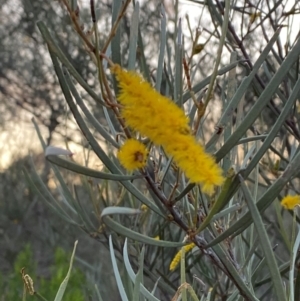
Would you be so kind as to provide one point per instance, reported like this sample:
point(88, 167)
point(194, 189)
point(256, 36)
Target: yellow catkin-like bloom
point(175, 262)
point(290, 201)
point(164, 123)
point(133, 154)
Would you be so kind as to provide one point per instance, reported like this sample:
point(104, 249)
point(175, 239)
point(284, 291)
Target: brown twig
point(115, 26)
point(108, 96)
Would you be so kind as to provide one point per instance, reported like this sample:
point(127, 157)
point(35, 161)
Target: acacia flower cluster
point(133, 154)
point(174, 263)
point(165, 124)
point(290, 201)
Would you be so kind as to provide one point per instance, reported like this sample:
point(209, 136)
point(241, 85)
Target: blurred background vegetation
point(33, 235)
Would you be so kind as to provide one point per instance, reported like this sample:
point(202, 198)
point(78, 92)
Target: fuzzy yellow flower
point(164, 123)
point(198, 166)
point(290, 201)
point(133, 154)
point(174, 263)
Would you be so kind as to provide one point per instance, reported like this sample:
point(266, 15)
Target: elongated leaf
point(162, 48)
point(139, 277)
point(219, 51)
point(62, 288)
point(292, 266)
point(235, 276)
point(98, 293)
point(79, 169)
point(284, 268)
point(87, 113)
point(220, 202)
point(264, 243)
point(277, 186)
point(185, 191)
point(132, 275)
point(142, 59)
point(182, 274)
point(116, 40)
point(178, 67)
point(244, 85)
point(116, 271)
point(53, 47)
point(37, 184)
point(261, 102)
point(134, 27)
point(64, 190)
point(126, 232)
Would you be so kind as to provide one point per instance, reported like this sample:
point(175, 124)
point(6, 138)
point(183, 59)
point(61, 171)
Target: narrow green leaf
point(65, 193)
point(79, 169)
point(275, 129)
point(185, 191)
point(134, 27)
point(139, 277)
point(178, 67)
point(132, 275)
point(264, 243)
point(100, 129)
point(53, 47)
point(162, 47)
point(142, 59)
point(225, 212)
point(227, 114)
point(64, 284)
point(297, 286)
point(261, 102)
point(126, 232)
point(274, 190)
point(235, 275)
point(182, 274)
point(37, 184)
point(220, 202)
point(109, 121)
point(283, 269)
point(116, 40)
point(98, 293)
point(219, 51)
point(293, 265)
point(116, 271)
point(119, 210)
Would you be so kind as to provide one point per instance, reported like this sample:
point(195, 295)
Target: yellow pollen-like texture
point(165, 124)
point(290, 201)
point(175, 262)
point(133, 154)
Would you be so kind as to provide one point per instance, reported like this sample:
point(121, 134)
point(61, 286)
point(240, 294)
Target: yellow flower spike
point(175, 262)
point(165, 124)
point(290, 201)
point(133, 154)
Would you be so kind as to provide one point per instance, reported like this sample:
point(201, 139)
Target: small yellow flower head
point(133, 154)
point(164, 123)
point(174, 263)
point(144, 207)
point(290, 201)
